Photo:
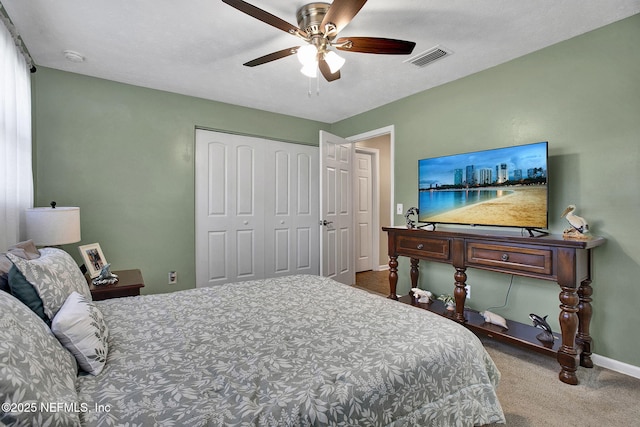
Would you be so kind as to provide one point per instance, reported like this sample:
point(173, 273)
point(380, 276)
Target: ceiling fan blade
point(341, 12)
point(326, 71)
point(272, 56)
point(265, 17)
point(375, 45)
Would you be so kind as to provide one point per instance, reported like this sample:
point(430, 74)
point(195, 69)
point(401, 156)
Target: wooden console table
point(567, 262)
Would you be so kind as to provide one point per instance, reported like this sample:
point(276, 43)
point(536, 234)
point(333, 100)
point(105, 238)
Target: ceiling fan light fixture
point(334, 61)
point(307, 54)
point(318, 25)
point(310, 69)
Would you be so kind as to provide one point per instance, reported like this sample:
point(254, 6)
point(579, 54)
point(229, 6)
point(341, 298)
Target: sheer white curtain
point(16, 178)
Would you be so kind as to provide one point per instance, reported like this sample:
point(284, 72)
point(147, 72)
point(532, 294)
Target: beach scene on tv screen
point(502, 187)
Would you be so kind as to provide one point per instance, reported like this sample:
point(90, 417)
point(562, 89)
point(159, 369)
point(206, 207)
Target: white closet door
point(291, 209)
point(229, 208)
point(256, 208)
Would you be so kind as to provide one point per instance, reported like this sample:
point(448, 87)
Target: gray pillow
point(55, 275)
point(26, 250)
point(35, 369)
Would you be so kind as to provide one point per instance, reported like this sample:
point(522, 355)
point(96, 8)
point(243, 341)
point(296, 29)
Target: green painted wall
point(581, 95)
point(124, 154)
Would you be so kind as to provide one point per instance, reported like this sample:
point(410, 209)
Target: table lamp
point(53, 226)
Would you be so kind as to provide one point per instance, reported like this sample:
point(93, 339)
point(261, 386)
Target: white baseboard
point(614, 365)
point(382, 267)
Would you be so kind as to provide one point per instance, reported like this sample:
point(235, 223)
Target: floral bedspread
point(291, 351)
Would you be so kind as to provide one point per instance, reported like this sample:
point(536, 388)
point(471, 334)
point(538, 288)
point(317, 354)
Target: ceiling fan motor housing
point(310, 18)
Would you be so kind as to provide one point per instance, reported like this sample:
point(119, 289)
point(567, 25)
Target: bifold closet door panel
point(229, 208)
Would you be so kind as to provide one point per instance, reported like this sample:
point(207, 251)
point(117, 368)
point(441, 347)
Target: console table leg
point(460, 293)
point(567, 354)
point(393, 277)
point(584, 321)
point(415, 272)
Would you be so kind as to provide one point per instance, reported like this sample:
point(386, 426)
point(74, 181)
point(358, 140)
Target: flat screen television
point(504, 187)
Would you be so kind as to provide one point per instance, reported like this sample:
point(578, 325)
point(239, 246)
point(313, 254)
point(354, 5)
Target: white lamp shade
point(310, 70)
point(334, 61)
point(307, 54)
point(53, 226)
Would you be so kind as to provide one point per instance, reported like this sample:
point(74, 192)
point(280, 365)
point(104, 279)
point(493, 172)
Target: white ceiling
point(197, 47)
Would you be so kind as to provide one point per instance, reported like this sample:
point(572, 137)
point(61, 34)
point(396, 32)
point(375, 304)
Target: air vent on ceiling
point(425, 58)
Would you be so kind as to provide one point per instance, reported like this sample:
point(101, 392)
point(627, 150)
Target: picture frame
point(93, 258)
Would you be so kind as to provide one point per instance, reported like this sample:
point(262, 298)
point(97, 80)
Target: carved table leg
point(567, 354)
point(393, 277)
point(460, 293)
point(415, 272)
point(584, 321)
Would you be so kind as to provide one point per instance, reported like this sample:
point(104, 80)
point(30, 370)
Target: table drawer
point(424, 248)
point(518, 258)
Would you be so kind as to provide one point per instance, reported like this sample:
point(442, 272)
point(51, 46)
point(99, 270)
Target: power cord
point(506, 299)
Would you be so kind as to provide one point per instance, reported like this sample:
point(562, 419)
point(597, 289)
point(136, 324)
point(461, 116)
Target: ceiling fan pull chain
point(309, 88)
point(317, 86)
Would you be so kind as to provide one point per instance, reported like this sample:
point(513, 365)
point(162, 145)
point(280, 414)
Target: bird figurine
point(422, 295)
point(579, 226)
point(106, 277)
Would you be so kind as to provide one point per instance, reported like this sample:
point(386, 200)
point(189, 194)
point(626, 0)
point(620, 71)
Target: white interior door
point(336, 212)
point(363, 211)
point(291, 209)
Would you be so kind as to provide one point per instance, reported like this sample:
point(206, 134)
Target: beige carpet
point(531, 394)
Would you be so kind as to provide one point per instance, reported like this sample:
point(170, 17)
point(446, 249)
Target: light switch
point(399, 209)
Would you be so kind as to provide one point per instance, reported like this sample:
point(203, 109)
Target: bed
point(290, 351)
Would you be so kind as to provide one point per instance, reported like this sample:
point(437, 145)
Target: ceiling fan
point(319, 25)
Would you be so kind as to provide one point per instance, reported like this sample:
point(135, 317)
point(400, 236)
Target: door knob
point(325, 222)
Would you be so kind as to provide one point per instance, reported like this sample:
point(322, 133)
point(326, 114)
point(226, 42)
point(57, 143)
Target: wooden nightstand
point(128, 285)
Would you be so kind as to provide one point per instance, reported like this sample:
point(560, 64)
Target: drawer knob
point(505, 257)
point(420, 246)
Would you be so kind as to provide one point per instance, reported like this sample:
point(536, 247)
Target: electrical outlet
point(173, 277)
point(399, 209)
point(468, 289)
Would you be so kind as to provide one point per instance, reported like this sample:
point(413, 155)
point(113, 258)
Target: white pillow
point(80, 327)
